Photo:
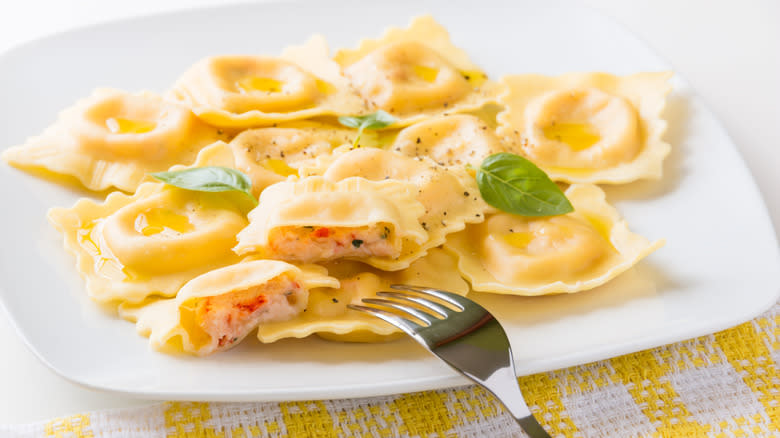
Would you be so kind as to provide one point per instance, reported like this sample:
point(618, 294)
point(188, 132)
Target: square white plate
point(720, 266)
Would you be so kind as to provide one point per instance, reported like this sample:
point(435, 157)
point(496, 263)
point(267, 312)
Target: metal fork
point(469, 339)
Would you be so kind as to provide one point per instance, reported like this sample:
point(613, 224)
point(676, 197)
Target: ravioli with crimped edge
point(327, 314)
point(416, 73)
point(114, 139)
point(244, 91)
point(215, 311)
point(270, 155)
point(315, 220)
point(449, 195)
point(150, 243)
point(588, 127)
point(519, 255)
point(314, 199)
point(455, 140)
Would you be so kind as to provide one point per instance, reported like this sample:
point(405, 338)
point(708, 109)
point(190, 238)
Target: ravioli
point(270, 155)
point(518, 255)
point(416, 73)
point(215, 311)
point(456, 140)
point(340, 218)
point(313, 220)
point(251, 91)
point(150, 243)
point(328, 316)
point(588, 127)
point(450, 195)
point(114, 138)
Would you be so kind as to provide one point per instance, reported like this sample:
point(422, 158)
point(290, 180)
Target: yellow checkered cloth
point(722, 385)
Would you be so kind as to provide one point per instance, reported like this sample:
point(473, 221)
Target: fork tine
point(422, 316)
point(449, 297)
point(409, 327)
point(439, 310)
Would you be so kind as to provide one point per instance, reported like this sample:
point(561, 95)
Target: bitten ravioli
point(150, 243)
point(216, 310)
point(328, 316)
point(416, 73)
point(114, 138)
point(588, 127)
point(449, 194)
point(518, 255)
point(314, 220)
point(249, 91)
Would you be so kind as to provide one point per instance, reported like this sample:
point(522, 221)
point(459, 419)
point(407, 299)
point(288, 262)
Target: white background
point(729, 52)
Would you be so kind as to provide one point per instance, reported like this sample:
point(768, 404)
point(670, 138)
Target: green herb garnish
point(356, 243)
point(377, 120)
point(209, 179)
point(515, 185)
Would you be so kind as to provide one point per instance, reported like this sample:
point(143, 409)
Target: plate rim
point(420, 384)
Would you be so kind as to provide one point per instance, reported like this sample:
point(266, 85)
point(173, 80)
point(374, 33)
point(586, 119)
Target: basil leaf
point(377, 120)
point(209, 179)
point(351, 121)
point(515, 185)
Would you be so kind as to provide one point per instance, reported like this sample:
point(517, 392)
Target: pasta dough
point(416, 73)
point(455, 140)
point(327, 313)
point(270, 155)
point(519, 255)
point(313, 220)
point(131, 247)
point(114, 138)
point(251, 91)
point(216, 310)
point(588, 127)
point(450, 195)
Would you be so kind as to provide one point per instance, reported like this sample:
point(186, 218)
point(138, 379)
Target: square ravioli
point(150, 243)
point(244, 91)
point(588, 127)
point(519, 255)
point(416, 73)
point(114, 138)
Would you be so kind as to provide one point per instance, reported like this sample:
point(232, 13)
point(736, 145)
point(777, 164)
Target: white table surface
point(729, 51)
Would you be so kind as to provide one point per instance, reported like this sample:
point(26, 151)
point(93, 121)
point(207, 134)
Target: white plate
point(720, 267)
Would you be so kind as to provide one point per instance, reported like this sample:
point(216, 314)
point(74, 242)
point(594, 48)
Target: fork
point(468, 338)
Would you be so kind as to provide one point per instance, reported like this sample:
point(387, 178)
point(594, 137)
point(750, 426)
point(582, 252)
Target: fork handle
point(511, 397)
point(532, 427)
